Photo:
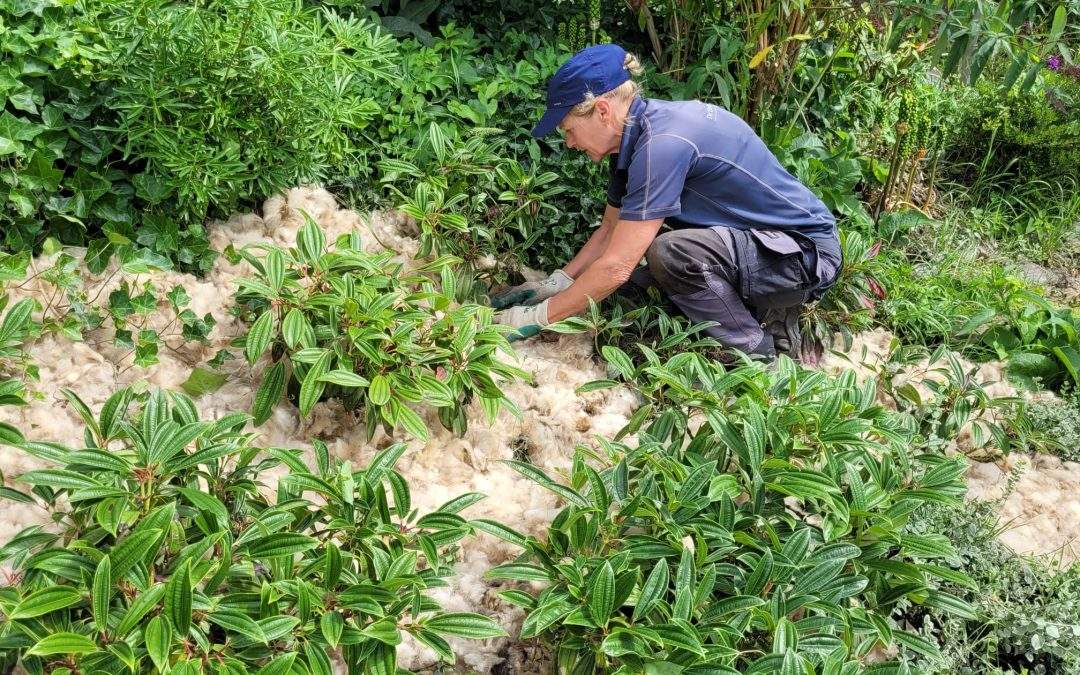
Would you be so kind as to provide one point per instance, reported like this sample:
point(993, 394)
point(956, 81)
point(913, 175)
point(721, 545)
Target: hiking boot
point(783, 325)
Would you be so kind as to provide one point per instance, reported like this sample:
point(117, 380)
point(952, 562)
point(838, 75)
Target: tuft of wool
point(1042, 515)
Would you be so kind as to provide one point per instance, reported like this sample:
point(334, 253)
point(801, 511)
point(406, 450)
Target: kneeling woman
point(745, 245)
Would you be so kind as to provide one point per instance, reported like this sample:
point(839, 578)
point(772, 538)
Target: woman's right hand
point(533, 292)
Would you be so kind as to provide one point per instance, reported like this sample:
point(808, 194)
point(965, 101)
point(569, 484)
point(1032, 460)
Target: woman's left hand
point(526, 320)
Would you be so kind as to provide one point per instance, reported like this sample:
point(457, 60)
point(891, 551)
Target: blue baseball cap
point(597, 69)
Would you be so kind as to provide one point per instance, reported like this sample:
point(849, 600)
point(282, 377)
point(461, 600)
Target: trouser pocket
point(772, 271)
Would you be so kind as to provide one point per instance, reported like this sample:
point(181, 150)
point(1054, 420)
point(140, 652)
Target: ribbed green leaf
point(761, 574)
point(130, 551)
point(735, 603)
point(950, 603)
point(59, 478)
point(311, 389)
point(279, 666)
point(269, 393)
point(331, 625)
point(139, 608)
point(44, 601)
point(159, 637)
point(178, 596)
point(518, 572)
point(295, 329)
point(379, 390)
point(345, 378)
point(102, 593)
point(436, 643)
point(655, 587)
point(602, 594)
point(318, 662)
point(501, 531)
point(259, 337)
point(238, 622)
point(274, 265)
point(63, 643)
point(280, 544)
point(464, 624)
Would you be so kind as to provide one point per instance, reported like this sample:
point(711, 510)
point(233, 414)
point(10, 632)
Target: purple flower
point(1054, 62)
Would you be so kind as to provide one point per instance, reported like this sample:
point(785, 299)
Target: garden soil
point(1044, 510)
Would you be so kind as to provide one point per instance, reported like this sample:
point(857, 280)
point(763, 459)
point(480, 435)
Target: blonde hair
point(624, 93)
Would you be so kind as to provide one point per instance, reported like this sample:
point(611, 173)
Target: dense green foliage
point(169, 556)
point(768, 540)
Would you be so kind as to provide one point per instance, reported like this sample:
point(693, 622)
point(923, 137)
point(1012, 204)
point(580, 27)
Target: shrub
point(63, 176)
point(353, 325)
point(770, 539)
point(224, 103)
point(471, 202)
point(1018, 138)
point(474, 86)
point(983, 312)
point(167, 554)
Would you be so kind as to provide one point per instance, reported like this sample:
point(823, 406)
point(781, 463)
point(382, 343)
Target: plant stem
point(888, 179)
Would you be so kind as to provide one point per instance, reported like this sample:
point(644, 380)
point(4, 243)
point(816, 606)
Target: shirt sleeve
point(655, 179)
point(616, 188)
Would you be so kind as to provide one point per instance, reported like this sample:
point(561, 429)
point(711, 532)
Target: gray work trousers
point(724, 274)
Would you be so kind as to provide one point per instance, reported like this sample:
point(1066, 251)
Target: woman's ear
point(604, 110)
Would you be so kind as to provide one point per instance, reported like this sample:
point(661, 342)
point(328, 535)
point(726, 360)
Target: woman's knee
point(667, 261)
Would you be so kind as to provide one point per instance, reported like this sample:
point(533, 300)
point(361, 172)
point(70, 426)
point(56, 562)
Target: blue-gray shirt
point(696, 164)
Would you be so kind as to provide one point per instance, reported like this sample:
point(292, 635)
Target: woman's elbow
point(617, 271)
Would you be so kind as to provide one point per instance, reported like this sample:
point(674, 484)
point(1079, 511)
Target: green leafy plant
point(769, 539)
point(54, 165)
point(62, 177)
point(470, 202)
point(167, 554)
point(954, 399)
point(339, 322)
point(624, 321)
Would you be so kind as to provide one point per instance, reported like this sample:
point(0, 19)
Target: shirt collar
point(631, 132)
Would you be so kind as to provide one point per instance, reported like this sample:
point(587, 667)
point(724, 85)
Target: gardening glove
point(527, 320)
point(532, 292)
